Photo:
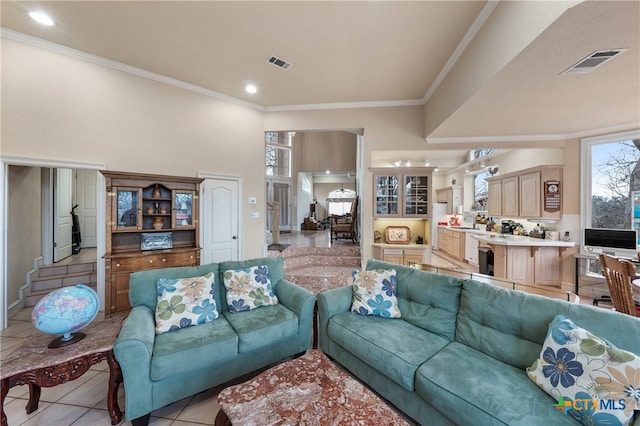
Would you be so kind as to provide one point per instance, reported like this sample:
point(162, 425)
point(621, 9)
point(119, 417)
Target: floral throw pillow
point(590, 379)
point(374, 293)
point(185, 302)
point(249, 288)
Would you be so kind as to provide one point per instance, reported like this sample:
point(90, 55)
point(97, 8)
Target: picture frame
point(156, 241)
point(397, 234)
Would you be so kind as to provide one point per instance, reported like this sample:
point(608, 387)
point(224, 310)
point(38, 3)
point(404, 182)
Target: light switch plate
point(252, 200)
point(255, 215)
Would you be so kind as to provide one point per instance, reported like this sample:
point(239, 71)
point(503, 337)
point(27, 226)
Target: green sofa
point(161, 369)
point(459, 352)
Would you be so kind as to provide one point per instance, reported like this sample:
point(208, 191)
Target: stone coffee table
point(309, 390)
point(33, 363)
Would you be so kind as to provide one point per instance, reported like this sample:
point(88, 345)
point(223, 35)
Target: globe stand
point(66, 340)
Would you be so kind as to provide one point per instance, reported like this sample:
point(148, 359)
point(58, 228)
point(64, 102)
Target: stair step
point(52, 282)
point(47, 271)
point(34, 297)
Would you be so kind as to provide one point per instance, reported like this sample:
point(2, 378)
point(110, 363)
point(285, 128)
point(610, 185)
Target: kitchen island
point(526, 260)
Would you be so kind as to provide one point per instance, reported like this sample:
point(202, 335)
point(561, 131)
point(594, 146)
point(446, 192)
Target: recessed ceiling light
point(328, 171)
point(251, 88)
point(41, 18)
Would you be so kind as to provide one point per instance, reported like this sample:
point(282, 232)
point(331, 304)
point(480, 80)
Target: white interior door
point(86, 198)
point(220, 211)
point(62, 194)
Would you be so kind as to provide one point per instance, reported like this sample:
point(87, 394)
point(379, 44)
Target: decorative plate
point(397, 234)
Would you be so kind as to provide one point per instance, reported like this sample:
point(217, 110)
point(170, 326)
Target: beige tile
point(172, 411)
point(102, 405)
point(18, 329)
point(93, 417)
point(21, 391)
point(101, 366)
point(90, 393)
point(56, 414)
point(154, 421)
point(54, 394)
point(23, 315)
point(202, 409)
point(16, 411)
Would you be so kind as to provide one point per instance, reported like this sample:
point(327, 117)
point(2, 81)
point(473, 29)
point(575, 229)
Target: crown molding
point(78, 54)
point(533, 138)
point(48, 162)
point(346, 105)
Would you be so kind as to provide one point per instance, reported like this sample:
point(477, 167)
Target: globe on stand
point(65, 311)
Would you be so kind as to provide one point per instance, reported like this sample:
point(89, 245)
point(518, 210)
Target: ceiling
point(363, 54)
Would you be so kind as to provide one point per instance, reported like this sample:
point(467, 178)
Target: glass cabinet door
point(183, 209)
point(127, 209)
point(386, 200)
point(416, 196)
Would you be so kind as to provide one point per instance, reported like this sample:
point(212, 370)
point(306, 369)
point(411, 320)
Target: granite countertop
point(398, 245)
point(517, 240)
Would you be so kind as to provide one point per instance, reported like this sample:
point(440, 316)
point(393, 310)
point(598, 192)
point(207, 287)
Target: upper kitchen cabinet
point(451, 195)
point(405, 194)
point(532, 193)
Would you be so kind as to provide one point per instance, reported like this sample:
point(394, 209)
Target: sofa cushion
point(577, 365)
point(262, 327)
point(185, 302)
point(275, 265)
point(143, 284)
point(427, 300)
point(374, 293)
point(248, 288)
point(392, 346)
point(193, 348)
point(470, 387)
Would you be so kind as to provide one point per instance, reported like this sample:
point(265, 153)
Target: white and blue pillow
point(185, 302)
point(595, 382)
point(374, 293)
point(249, 288)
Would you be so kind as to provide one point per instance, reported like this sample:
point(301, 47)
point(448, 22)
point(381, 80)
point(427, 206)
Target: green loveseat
point(161, 369)
point(458, 353)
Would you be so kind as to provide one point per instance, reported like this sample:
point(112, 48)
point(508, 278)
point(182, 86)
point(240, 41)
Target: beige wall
point(55, 107)
point(24, 226)
point(321, 151)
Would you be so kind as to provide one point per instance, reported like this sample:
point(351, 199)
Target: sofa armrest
point(331, 303)
point(296, 298)
point(133, 349)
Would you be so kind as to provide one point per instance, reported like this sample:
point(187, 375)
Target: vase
point(158, 222)
point(156, 192)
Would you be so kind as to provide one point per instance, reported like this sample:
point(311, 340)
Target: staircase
point(57, 276)
point(320, 268)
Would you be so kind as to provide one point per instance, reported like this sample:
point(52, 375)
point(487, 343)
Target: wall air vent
point(280, 63)
point(597, 58)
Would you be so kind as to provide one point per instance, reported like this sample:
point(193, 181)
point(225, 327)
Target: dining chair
point(618, 274)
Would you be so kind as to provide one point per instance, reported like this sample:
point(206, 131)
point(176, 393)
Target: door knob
point(234, 237)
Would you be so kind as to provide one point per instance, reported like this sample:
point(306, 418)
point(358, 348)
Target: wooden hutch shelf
point(152, 222)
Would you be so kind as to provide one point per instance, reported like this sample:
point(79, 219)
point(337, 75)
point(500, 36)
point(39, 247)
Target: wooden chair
point(618, 274)
point(345, 225)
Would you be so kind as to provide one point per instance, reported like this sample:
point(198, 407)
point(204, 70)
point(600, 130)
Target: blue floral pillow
point(374, 293)
point(185, 302)
point(249, 288)
point(590, 379)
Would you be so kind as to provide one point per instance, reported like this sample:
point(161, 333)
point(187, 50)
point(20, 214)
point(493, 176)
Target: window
point(339, 201)
point(611, 172)
point(480, 185)
point(278, 153)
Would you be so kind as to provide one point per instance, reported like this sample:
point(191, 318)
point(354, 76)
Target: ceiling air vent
point(595, 59)
point(280, 63)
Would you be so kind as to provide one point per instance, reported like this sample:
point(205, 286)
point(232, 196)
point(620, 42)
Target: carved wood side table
point(34, 364)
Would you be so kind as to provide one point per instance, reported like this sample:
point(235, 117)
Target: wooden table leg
point(221, 419)
point(115, 378)
point(34, 398)
point(4, 390)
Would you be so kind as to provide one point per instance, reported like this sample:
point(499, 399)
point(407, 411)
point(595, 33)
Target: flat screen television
point(616, 242)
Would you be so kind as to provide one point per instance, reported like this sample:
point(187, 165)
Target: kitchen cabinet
point(471, 248)
point(532, 193)
point(405, 194)
point(452, 242)
point(452, 196)
point(152, 222)
point(510, 197)
point(402, 255)
point(494, 194)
